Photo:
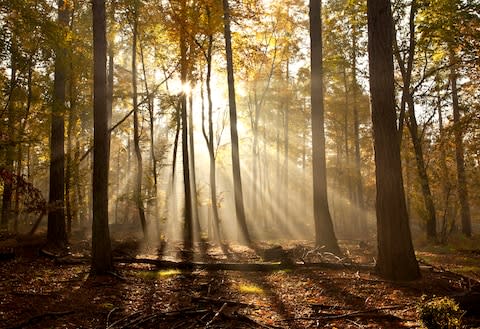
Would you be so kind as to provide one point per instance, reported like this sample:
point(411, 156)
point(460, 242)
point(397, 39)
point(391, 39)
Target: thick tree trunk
point(396, 257)
point(101, 246)
point(237, 180)
point(324, 233)
point(57, 234)
point(462, 188)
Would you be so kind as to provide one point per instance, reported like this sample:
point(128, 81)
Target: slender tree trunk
point(10, 148)
point(286, 146)
point(462, 188)
point(153, 157)
point(396, 257)
point(136, 128)
point(57, 234)
point(23, 127)
point(324, 233)
point(101, 247)
point(407, 99)
point(193, 178)
point(237, 180)
point(209, 139)
point(359, 199)
point(422, 171)
point(79, 196)
point(446, 185)
point(70, 205)
point(188, 221)
point(354, 225)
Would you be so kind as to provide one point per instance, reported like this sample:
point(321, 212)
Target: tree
point(237, 180)
point(136, 129)
point(209, 138)
point(324, 233)
point(57, 234)
point(101, 246)
point(396, 257)
point(462, 189)
point(406, 67)
point(188, 211)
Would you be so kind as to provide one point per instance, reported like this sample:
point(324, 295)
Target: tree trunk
point(348, 218)
point(210, 139)
point(57, 234)
point(324, 233)
point(396, 257)
point(462, 188)
point(193, 178)
point(422, 171)
point(359, 197)
point(188, 220)
point(10, 147)
point(101, 247)
point(445, 177)
point(407, 99)
point(136, 132)
point(286, 146)
point(23, 127)
point(153, 158)
point(237, 180)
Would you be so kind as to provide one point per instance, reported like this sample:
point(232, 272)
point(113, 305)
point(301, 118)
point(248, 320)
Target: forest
point(239, 164)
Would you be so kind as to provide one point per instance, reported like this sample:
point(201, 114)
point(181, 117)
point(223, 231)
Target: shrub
point(440, 313)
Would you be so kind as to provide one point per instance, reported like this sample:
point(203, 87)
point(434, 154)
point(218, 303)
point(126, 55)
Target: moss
point(250, 289)
point(152, 275)
point(440, 313)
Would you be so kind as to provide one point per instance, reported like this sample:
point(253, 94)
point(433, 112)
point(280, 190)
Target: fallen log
point(246, 267)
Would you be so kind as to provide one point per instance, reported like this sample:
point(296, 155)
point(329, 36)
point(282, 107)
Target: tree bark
point(396, 257)
point(210, 140)
point(407, 98)
point(324, 233)
point(56, 233)
point(10, 147)
point(136, 132)
point(237, 180)
point(193, 178)
point(359, 197)
point(462, 188)
point(101, 246)
point(188, 220)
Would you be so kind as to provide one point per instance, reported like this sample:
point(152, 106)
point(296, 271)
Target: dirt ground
point(38, 291)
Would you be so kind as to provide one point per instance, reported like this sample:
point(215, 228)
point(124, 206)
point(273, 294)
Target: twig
point(110, 313)
point(216, 315)
point(256, 323)
point(356, 323)
point(346, 315)
point(220, 301)
point(123, 319)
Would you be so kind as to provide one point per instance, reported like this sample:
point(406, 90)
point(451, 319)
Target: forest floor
point(37, 291)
